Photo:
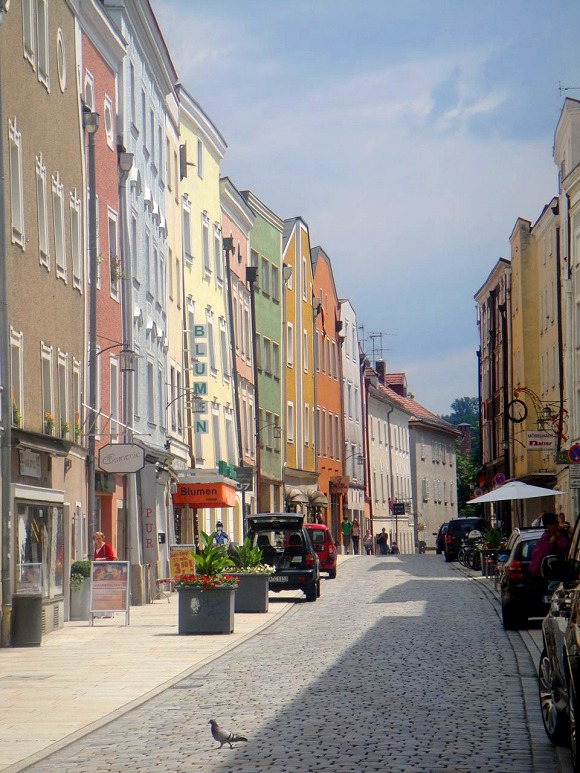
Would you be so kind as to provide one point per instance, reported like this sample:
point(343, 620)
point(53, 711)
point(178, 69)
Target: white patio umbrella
point(515, 489)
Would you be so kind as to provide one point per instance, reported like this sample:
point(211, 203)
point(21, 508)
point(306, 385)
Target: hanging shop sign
point(199, 386)
point(211, 494)
point(541, 441)
point(121, 457)
point(339, 484)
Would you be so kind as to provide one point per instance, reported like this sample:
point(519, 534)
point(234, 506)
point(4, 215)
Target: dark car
point(522, 596)
point(324, 546)
point(559, 669)
point(286, 545)
point(440, 538)
point(457, 531)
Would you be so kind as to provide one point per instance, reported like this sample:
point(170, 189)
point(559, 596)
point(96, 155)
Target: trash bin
point(26, 621)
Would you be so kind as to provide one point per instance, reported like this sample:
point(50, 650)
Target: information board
point(109, 588)
point(180, 560)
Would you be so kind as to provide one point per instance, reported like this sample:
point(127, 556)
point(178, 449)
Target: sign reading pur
point(199, 370)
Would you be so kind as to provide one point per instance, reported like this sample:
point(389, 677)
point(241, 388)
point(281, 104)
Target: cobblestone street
point(402, 665)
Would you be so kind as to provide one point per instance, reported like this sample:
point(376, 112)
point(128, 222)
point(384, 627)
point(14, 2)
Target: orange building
point(327, 359)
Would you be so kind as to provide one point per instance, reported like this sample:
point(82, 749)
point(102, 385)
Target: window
point(170, 273)
point(210, 340)
point(199, 158)
point(265, 277)
point(150, 392)
point(161, 396)
point(28, 31)
point(253, 259)
point(187, 230)
point(330, 436)
point(290, 422)
point(305, 350)
point(334, 361)
point(58, 220)
point(205, 241)
point(76, 399)
point(275, 288)
point(323, 446)
point(217, 252)
point(42, 25)
point(304, 280)
point(275, 360)
point(290, 345)
point(109, 129)
point(144, 118)
point(40, 540)
point(114, 397)
point(306, 424)
point(62, 374)
point(258, 351)
point(42, 210)
point(132, 94)
point(61, 60)
point(225, 348)
point(16, 185)
point(179, 403)
point(267, 355)
point(178, 282)
point(16, 377)
point(46, 381)
point(76, 237)
point(89, 91)
point(147, 257)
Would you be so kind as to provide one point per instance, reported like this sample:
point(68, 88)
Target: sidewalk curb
point(287, 609)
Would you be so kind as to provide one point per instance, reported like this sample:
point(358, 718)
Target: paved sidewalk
point(82, 676)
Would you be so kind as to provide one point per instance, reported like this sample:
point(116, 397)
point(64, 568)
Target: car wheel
point(512, 619)
point(553, 719)
point(332, 574)
point(310, 592)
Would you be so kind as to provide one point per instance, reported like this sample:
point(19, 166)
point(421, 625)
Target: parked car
point(522, 596)
point(324, 547)
point(457, 531)
point(286, 545)
point(440, 538)
point(559, 669)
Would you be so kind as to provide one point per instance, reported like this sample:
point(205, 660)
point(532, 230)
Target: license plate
point(278, 578)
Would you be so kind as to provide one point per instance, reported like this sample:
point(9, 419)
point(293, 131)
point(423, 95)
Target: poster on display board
point(180, 560)
point(109, 589)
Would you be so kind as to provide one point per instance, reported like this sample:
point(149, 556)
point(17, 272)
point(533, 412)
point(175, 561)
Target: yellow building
point(300, 475)
point(209, 408)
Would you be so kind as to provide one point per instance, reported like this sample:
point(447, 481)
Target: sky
point(409, 136)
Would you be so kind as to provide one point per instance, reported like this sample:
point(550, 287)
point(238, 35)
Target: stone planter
point(80, 601)
point(252, 594)
point(205, 611)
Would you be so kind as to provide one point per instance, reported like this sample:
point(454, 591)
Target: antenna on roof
point(567, 88)
point(378, 350)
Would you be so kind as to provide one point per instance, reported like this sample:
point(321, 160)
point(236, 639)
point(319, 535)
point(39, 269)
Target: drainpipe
point(5, 405)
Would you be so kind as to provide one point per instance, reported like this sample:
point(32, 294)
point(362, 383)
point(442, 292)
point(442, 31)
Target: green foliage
point(245, 557)
point(466, 475)
point(493, 537)
point(78, 571)
point(465, 410)
point(210, 559)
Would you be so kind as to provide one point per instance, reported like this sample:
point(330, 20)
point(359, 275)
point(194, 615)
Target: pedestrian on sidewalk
point(103, 551)
point(355, 534)
point(346, 529)
point(382, 542)
point(368, 543)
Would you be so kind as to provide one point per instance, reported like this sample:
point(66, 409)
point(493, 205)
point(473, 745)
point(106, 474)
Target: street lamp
point(91, 124)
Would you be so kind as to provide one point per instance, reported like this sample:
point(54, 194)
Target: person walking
point(103, 551)
point(382, 542)
point(346, 530)
point(368, 543)
point(355, 534)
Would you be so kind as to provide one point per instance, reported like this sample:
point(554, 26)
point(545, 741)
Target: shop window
point(41, 541)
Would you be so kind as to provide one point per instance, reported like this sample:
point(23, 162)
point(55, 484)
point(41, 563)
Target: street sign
point(245, 478)
point(541, 441)
point(498, 479)
point(574, 476)
point(121, 457)
point(574, 454)
point(398, 508)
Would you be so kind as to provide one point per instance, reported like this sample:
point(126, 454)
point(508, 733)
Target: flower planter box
point(252, 594)
point(205, 611)
point(80, 601)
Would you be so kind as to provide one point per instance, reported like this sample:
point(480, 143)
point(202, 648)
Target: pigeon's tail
point(237, 738)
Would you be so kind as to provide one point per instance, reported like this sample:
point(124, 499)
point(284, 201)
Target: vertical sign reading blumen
point(149, 514)
point(199, 367)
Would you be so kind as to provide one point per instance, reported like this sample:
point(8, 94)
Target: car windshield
point(464, 526)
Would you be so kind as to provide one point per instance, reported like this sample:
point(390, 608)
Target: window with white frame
point(137, 380)
point(290, 422)
point(331, 435)
point(305, 350)
point(76, 399)
point(186, 235)
point(29, 31)
point(147, 257)
point(334, 361)
point(61, 60)
point(205, 241)
point(247, 334)
point(277, 435)
point(267, 361)
point(229, 422)
point(150, 392)
point(42, 211)
point(76, 239)
point(46, 383)
point(16, 183)
point(215, 418)
point(114, 396)
point(114, 262)
point(178, 281)
point(306, 420)
point(290, 344)
point(275, 360)
point(337, 436)
point(42, 27)
point(200, 158)
point(323, 434)
point(161, 397)
point(58, 223)
point(275, 286)
point(63, 411)
point(304, 280)
point(179, 402)
point(108, 121)
point(265, 277)
point(210, 341)
point(174, 397)
point(16, 377)
point(258, 351)
point(217, 253)
point(225, 348)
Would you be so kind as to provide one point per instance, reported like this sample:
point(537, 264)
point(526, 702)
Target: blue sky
point(410, 136)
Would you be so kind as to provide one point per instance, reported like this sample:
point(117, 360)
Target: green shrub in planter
point(78, 571)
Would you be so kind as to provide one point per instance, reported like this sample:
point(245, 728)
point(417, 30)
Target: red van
point(324, 547)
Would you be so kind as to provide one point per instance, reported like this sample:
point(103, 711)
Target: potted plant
point(64, 428)
point(48, 423)
point(492, 539)
point(254, 575)
point(206, 598)
point(80, 590)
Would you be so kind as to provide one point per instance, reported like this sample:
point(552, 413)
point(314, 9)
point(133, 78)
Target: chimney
point(381, 368)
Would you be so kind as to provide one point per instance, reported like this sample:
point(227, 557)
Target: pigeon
point(223, 736)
